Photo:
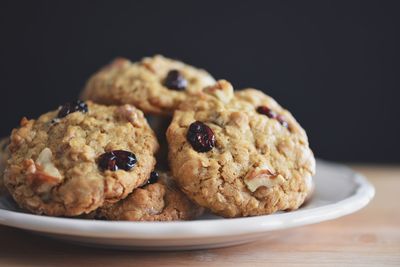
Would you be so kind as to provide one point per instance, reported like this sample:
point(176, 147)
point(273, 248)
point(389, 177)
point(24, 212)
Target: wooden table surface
point(370, 237)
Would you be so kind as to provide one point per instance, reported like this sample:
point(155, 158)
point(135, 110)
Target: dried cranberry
point(282, 121)
point(273, 115)
point(153, 178)
point(267, 111)
point(201, 137)
point(117, 159)
point(71, 107)
point(175, 80)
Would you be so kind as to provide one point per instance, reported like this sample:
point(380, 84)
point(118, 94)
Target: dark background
point(335, 65)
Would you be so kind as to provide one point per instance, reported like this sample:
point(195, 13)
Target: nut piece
point(239, 118)
point(262, 176)
point(222, 90)
point(42, 175)
point(46, 165)
point(129, 113)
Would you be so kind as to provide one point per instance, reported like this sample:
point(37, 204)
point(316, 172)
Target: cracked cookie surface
point(156, 85)
point(159, 201)
point(53, 167)
point(259, 163)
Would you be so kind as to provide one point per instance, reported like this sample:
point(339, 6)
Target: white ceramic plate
point(339, 191)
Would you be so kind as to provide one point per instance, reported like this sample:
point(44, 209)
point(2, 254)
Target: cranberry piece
point(282, 121)
point(201, 137)
point(153, 178)
point(267, 111)
point(272, 115)
point(71, 107)
point(117, 159)
point(175, 80)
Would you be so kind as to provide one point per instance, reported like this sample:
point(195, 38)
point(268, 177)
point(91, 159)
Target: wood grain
point(370, 237)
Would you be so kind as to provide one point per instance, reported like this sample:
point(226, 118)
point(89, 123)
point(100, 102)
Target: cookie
point(3, 161)
point(159, 200)
point(78, 158)
point(156, 85)
point(239, 154)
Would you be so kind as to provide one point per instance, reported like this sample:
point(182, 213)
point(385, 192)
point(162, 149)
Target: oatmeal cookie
point(239, 154)
point(156, 85)
point(159, 200)
point(78, 158)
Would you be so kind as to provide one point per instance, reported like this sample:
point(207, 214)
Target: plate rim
point(205, 228)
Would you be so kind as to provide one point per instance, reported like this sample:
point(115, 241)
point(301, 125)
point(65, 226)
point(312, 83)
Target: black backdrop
point(333, 64)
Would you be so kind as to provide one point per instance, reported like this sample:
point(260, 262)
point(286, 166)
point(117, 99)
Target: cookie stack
point(234, 153)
